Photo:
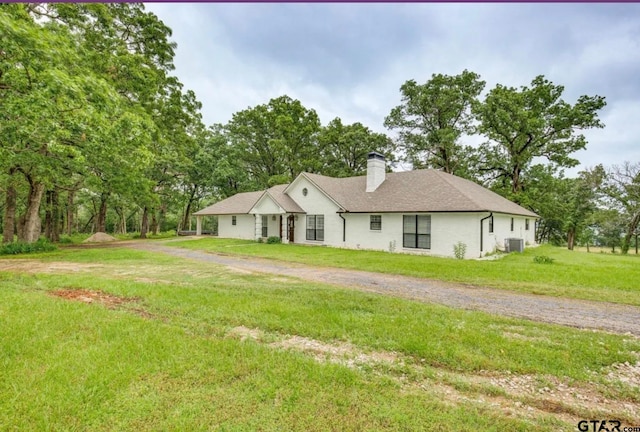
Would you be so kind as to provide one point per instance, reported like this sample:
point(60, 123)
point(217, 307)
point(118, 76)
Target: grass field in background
point(166, 360)
point(588, 276)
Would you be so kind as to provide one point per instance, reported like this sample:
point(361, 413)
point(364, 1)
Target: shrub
point(42, 245)
point(259, 240)
point(274, 240)
point(459, 250)
point(543, 259)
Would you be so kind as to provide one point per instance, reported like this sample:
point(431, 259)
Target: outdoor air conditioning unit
point(513, 245)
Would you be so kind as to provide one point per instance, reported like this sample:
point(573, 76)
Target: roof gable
point(310, 178)
point(244, 202)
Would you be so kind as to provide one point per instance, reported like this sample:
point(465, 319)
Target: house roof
point(284, 200)
point(415, 191)
point(243, 202)
point(239, 203)
point(426, 190)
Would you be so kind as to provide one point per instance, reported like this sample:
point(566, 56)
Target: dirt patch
point(626, 373)
point(89, 296)
point(110, 301)
point(555, 395)
point(338, 352)
point(341, 352)
point(33, 266)
point(100, 237)
point(244, 333)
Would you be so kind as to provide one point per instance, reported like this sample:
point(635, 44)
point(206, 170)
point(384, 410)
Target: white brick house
point(421, 211)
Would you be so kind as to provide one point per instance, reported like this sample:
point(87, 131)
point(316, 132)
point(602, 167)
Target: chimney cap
point(375, 155)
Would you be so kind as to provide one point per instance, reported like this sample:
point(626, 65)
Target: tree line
point(96, 134)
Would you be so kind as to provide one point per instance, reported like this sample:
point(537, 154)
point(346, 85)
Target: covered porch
point(281, 225)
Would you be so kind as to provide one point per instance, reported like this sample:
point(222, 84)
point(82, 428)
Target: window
point(511, 224)
point(491, 224)
point(265, 223)
point(375, 222)
point(416, 231)
point(526, 224)
point(233, 220)
point(305, 191)
point(315, 227)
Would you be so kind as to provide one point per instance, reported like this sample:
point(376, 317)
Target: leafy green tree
point(48, 96)
point(581, 202)
point(80, 86)
point(623, 191)
point(277, 141)
point(344, 148)
point(609, 225)
point(433, 117)
point(529, 123)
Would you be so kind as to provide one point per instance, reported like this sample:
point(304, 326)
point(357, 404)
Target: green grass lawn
point(168, 360)
point(588, 276)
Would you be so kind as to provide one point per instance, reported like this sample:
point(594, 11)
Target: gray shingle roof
point(410, 191)
point(243, 202)
point(239, 203)
point(415, 191)
point(284, 200)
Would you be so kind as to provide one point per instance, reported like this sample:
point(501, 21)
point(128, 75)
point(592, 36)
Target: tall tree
point(344, 148)
point(581, 202)
point(277, 140)
point(529, 123)
point(48, 98)
point(623, 190)
point(433, 117)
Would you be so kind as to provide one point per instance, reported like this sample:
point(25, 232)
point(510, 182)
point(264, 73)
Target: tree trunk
point(9, 214)
point(162, 214)
point(154, 222)
point(30, 225)
point(52, 216)
point(122, 220)
point(145, 223)
point(101, 223)
point(631, 229)
point(571, 238)
point(187, 213)
point(69, 210)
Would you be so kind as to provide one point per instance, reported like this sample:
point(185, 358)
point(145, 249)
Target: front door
point(290, 228)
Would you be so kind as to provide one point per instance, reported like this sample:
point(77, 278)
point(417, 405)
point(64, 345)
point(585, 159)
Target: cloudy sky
point(349, 60)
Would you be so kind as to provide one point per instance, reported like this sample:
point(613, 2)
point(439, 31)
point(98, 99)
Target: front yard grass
point(168, 359)
point(587, 276)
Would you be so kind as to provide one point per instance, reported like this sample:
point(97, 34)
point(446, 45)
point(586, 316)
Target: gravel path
point(575, 313)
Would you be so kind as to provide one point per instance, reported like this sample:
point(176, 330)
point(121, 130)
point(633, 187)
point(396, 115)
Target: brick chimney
point(376, 167)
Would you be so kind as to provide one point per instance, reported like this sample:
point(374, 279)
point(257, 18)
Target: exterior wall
point(502, 230)
point(266, 206)
point(316, 203)
point(273, 226)
point(244, 228)
point(447, 229)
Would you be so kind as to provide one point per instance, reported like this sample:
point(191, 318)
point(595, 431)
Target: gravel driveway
point(575, 313)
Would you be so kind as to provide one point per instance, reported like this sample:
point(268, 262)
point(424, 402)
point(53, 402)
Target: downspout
point(344, 227)
point(482, 232)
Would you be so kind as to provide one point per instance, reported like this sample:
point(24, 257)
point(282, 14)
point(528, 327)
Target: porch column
point(198, 225)
point(258, 225)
